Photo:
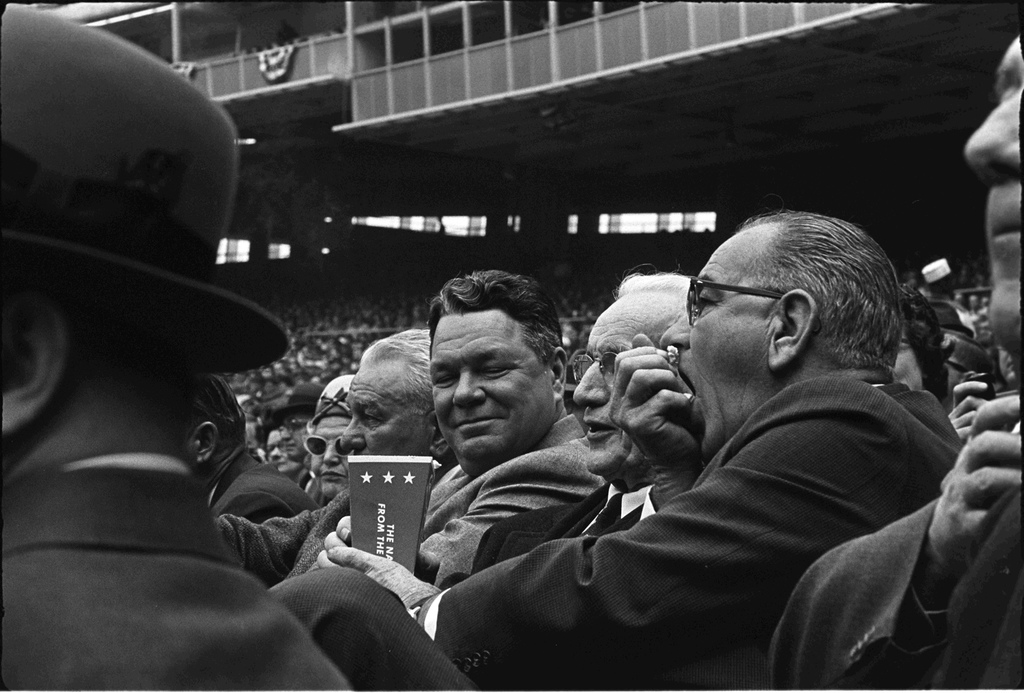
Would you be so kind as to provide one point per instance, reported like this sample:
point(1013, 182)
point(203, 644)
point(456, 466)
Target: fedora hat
point(118, 182)
point(303, 399)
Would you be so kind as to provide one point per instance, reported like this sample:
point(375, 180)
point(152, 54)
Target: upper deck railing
point(601, 45)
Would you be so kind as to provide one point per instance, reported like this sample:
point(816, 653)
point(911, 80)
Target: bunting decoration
point(276, 63)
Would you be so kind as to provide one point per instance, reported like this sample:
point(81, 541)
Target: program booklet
point(389, 496)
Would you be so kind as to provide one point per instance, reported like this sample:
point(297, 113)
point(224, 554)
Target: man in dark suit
point(807, 443)
point(118, 181)
point(934, 600)
point(644, 304)
point(235, 482)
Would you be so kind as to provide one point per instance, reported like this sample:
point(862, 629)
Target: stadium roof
point(891, 71)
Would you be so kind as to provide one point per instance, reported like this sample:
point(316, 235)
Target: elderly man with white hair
point(393, 376)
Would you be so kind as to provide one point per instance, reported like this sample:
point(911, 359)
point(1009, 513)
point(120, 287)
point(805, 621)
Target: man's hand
point(967, 397)
point(988, 466)
point(387, 573)
point(650, 403)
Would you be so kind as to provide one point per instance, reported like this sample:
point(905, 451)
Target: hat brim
point(278, 416)
point(213, 329)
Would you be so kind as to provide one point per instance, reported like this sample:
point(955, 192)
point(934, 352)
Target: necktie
point(607, 517)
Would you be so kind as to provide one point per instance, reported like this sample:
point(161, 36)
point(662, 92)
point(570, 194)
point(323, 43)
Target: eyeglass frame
point(606, 362)
point(698, 285)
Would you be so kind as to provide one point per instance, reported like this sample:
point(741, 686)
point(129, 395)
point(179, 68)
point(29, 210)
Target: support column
point(175, 32)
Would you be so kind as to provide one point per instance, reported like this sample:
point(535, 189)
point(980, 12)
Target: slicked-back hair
point(214, 401)
point(927, 340)
point(849, 276)
point(669, 282)
point(518, 296)
point(412, 347)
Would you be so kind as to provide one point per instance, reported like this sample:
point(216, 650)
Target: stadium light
point(246, 140)
point(325, 251)
point(328, 220)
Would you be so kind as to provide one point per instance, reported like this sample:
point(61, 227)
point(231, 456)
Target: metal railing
point(644, 32)
point(314, 59)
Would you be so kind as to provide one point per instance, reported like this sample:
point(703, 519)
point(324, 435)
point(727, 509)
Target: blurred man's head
point(644, 304)
point(216, 425)
point(799, 295)
point(291, 420)
point(118, 183)
point(993, 152)
point(921, 361)
point(497, 366)
point(392, 408)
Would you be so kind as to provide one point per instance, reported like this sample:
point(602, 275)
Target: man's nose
point(352, 441)
point(467, 391)
point(993, 151)
point(677, 335)
point(592, 390)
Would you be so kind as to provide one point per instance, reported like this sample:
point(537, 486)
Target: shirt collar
point(631, 500)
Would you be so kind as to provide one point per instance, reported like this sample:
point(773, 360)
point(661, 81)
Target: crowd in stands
point(789, 471)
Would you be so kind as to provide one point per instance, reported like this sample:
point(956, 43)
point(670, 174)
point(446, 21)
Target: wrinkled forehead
point(735, 258)
point(649, 313)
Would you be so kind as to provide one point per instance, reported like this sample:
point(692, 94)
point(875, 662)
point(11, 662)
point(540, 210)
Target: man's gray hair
point(413, 347)
point(655, 281)
point(847, 273)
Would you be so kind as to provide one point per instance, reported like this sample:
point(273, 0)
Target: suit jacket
point(853, 620)
point(461, 508)
point(521, 533)
point(689, 597)
point(258, 492)
point(117, 579)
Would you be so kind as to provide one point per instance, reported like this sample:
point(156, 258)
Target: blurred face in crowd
point(724, 355)
point(612, 454)
point(331, 468)
point(993, 152)
point(495, 399)
point(384, 421)
point(274, 454)
point(293, 435)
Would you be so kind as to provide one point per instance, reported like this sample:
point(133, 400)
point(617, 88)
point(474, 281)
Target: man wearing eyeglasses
point(806, 442)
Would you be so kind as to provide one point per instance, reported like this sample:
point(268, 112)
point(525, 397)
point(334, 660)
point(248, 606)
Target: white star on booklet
point(408, 478)
point(388, 477)
point(366, 478)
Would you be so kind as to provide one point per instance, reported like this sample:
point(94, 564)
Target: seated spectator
point(806, 442)
point(393, 387)
point(921, 361)
point(392, 391)
point(290, 419)
point(113, 575)
point(934, 600)
point(235, 482)
point(328, 466)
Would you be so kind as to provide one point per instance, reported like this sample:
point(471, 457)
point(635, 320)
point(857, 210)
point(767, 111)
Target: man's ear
point(557, 364)
point(36, 353)
point(203, 441)
point(791, 330)
point(438, 445)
